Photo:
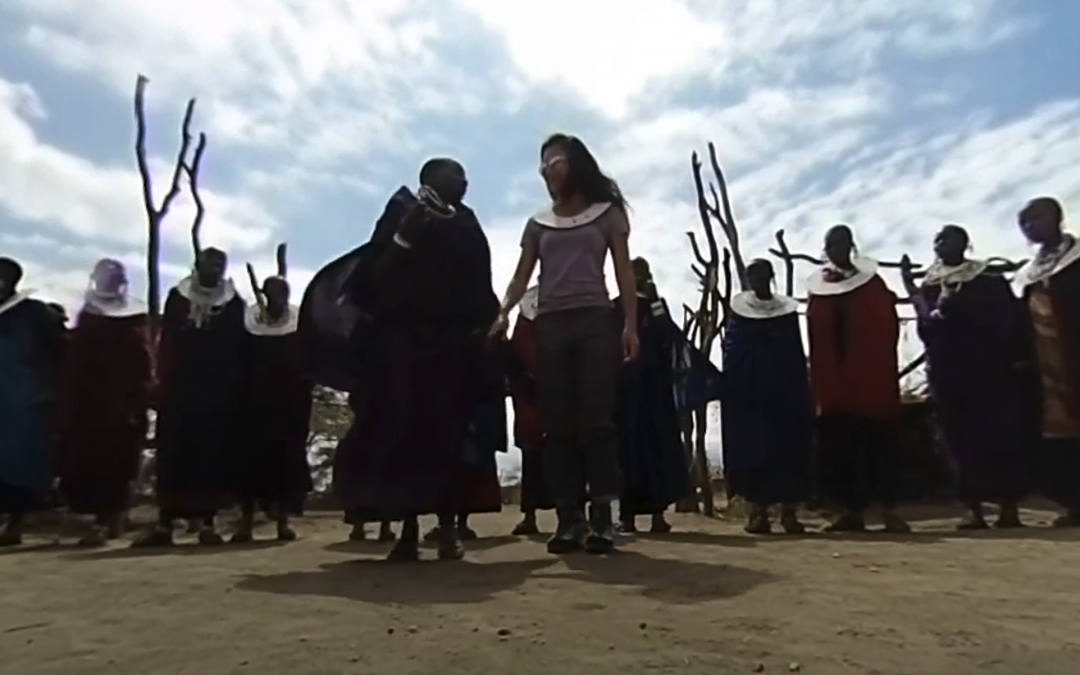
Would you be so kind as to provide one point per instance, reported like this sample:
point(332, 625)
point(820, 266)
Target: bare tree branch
point(727, 222)
point(156, 212)
point(256, 287)
point(789, 264)
point(192, 171)
point(698, 256)
point(282, 255)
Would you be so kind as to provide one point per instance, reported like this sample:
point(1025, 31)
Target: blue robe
point(767, 414)
point(31, 341)
point(670, 376)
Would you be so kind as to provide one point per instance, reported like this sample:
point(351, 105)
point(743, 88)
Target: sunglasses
point(544, 166)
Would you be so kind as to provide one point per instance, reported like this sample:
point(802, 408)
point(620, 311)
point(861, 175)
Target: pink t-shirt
point(572, 260)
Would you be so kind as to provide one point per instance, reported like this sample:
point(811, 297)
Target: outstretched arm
point(526, 265)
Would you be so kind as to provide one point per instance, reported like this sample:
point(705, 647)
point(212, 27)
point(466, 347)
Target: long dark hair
point(583, 175)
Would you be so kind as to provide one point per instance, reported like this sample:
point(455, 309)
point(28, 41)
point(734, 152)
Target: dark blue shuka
point(670, 375)
point(767, 415)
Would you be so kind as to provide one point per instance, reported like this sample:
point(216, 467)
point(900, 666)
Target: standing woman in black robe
point(199, 388)
point(270, 463)
point(417, 362)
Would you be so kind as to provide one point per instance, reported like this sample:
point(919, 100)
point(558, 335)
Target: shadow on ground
point(670, 580)
point(373, 546)
point(428, 582)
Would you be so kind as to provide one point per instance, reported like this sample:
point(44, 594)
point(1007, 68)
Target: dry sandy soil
point(705, 599)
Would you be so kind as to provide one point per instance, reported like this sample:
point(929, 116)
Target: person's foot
point(113, 526)
point(242, 536)
point(95, 538)
point(569, 534)
point(789, 520)
point(286, 533)
point(526, 527)
point(386, 533)
point(1008, 518)
point(972, 520)
point(450, 546)
point(208, 536)
point(357, 533)
point(466, 533)
point(849, 522)
point(433, 534)
point(157, 537)
point(758, 523)
point(9, 538)
point(405, 550)
point(601, 538)
point(1069, 519)
point(659, 524)
point(894, 524)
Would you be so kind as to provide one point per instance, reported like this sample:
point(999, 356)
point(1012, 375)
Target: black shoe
point(601, 538)
point(569, 535)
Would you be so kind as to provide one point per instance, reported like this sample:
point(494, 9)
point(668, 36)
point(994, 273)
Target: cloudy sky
point(892, 116)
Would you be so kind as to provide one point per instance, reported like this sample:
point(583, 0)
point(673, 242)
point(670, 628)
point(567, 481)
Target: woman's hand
point(630, 343)
point(499, 326)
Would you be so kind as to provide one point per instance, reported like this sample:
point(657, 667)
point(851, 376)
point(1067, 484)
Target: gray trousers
point(578, 359)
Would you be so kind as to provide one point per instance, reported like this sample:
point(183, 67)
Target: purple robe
point(973, 349)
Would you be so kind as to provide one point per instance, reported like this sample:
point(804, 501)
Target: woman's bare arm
point(624, 276)
point(519, 283)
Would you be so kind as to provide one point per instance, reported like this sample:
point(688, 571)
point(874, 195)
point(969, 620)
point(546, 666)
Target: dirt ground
point(704, 599)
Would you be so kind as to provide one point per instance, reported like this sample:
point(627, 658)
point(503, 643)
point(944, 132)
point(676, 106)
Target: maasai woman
point(854, 333)
point(577, 335)
point(972, 325)
point(1051, 291)
point(30, 343)
point(651, 453)
point(767, 413)
point(104, 398)
point(199, 380)
point(528, 429)
point(270, 464)
point(418, 295)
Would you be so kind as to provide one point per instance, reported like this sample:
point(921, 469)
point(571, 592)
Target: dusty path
point(706, 599)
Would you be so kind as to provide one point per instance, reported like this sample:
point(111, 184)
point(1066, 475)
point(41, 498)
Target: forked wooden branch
point(256, 286)
point(727, 222)
point(156, 212)
point(192, 171)
point(281, 255)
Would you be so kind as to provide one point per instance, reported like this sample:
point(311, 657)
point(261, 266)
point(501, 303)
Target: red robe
point(528, 428)
point(864, 380)
point(103, 399)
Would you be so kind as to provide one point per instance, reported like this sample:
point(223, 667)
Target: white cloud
point(325, 81)
point(616, 59)
point(99, 208)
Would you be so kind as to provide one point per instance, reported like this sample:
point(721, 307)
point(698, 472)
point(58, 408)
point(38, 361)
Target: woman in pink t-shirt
point(579, 354)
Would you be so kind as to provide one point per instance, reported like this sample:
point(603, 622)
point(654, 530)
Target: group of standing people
point(232, 404)
point(1002, 370)
point(410, 326)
